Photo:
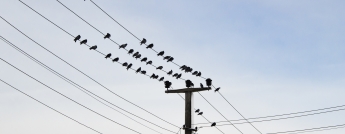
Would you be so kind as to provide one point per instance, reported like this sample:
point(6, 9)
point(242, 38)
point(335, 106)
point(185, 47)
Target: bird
point(217, 89)
point(129, 66)
point(93, 47)
point(188, 83)
point(130, 51)
point(160, 53)
point(149, 62)
point(116, 59)
point(200, 113)
point(213, 124)
point(138, 70)
point(77, 38)
point(108, 55)
point(125, 64)
point(161, 79)
point(178, 76)
point(183, 67)
point(138, 56)
point(123, 46)
point(144, 59)
point(150, 46)
point(175, 75)
point(199, 74)
point(166, 57)
point(156, 77)
point(143, 72)
point(188, 69)
point(83, 42)
point(160, 67)
point(152, 76)
point(167, 84)
point(135, 54)
point(170, 72)
point(170, 59)
point(201, 86)
point(107, 36)
point(197, 111)
point(208, 82)
point(143, 41)
point(195, 73)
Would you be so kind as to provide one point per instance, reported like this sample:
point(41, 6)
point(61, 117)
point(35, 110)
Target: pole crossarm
point(185, 90)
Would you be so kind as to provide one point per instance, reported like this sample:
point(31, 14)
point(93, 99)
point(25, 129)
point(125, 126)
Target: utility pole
point(188, 105)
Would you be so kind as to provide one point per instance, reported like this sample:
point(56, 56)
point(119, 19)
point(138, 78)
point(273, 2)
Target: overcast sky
point(269, 57)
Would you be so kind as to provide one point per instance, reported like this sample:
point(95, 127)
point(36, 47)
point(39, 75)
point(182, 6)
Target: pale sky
point(269, 57)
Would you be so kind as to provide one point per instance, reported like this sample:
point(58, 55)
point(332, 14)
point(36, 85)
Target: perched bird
point(195, 73)
point(93, 47)
point(116, 59)
point(153, 76)
point(83, 42)
point(130, 51)
point(125, 64)
point(213, 124)
point(183, 67)
point(208, 82)
point(166, 57)
point(150, 46)
point(188, 69)
point(160, 53)
point(108, 55)
point(123, 46)
point(143, 72)
point(200, 113)
point(170, 59)
point(107, 36)
point(129, 66)
point(143, 41)
point(156, 77)
point(175, 75)
point(144, 59)
point(170, 72)
point(201, 86)
point(160, 67)
point(197, 111)
point(188, 83)
point(135, 54)
point(217, 89)
point(161, 79)
point(199, 74)
point(178, 76)
point(138, 70)
point(149, 62)
point(138, 56)
point(77, 38)
point(167, 84)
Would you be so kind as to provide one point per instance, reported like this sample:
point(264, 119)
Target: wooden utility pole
point(188, 105)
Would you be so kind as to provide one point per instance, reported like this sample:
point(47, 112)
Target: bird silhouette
point(183, 67)
point(130, 51)
point(217, 89)
point(125, 64)
point(150, 46)
point(123, 46)
point(188, 83)
point(116, 59)
point(188, 69)
point(143, 72)
point(166, 57)
point(208, 82)
point(144, 59)
point(135, 54)
point(107, 36)
point(195, 73)
point(108, 55)
point(178, 76)
point(129, 66)
point(138, 70)
point(199, 74)
point(93, 47)
point(77, 38)
point(143, 41)
point(201, 86)
point(83, 42)
point(149, 62)
point(160, 53)
point(161, 79)
point(170, 72)
point(156, 77)
point(138, 56)
point(152, 76)
point(160, 67)
point(213, 124)
point(175, 75)
point(167, 84)
point(170, 59)
point(200, 113)
point(197, 111)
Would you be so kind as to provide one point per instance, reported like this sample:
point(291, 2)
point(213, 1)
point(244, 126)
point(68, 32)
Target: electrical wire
point(50, 107)
point(310, 129)
point(70, 98)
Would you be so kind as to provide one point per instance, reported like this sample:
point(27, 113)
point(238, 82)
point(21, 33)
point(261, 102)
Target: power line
point(89, 76)
point(50, 107)
point(311, 129)
point(82, 88)
point(70, 98)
